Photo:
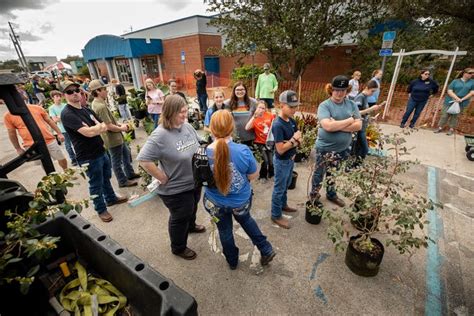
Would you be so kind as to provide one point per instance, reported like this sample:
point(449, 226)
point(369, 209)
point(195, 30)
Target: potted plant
point(381, 205)
point(308, 125)
point(313, 207)
point(136, 101)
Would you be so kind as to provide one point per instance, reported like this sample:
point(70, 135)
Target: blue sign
point(389, 36)
point(386, 52)
point(183, 57)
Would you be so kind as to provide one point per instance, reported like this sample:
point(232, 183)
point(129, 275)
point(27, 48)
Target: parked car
point(42, 74)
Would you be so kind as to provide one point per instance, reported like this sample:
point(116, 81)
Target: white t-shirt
point(355, 88)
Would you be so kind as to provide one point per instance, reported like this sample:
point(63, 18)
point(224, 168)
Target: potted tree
point(382, 205)
point(314, 209)
point(308, 125)
point(137, 104)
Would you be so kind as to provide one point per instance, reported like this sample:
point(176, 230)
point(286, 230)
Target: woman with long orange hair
point(233, 167)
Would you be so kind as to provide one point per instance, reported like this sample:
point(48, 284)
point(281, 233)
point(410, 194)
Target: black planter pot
point(311, 218)
point(293, 181)
point(140, 114)
point(132, 111)
point(147, 291)
point(299, 157)
point(364, 264)
point(132, 134)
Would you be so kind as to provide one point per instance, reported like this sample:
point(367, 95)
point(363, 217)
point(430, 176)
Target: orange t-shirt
point(39, 115)
point(261, 126)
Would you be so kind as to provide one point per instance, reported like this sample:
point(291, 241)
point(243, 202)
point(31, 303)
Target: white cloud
point(66, 26)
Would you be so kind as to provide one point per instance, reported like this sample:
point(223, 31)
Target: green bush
point(245, 73)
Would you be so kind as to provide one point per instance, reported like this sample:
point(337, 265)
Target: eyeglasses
point(471, 73)
point(240, 90)
point(72, 91)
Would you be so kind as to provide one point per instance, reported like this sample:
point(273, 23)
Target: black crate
point(147, 291)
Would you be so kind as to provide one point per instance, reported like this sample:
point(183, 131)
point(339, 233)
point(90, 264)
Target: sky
point(61, 28)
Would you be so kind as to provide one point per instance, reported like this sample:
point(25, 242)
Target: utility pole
point(17, 53)
point(14, 38)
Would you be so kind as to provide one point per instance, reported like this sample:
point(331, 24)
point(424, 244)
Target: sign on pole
point(389, 36)
point(183, 57)
point(386, 52)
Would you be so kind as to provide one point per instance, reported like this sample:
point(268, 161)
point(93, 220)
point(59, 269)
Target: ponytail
point(222, 171)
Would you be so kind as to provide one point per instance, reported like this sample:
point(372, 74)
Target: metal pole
point(17, 52)
point(444, 87)
point(19, 47)
point(185, 80)
point(384, 61)
point(253, 79)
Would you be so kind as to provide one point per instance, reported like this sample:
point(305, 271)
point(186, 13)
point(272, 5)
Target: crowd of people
point(238, 126)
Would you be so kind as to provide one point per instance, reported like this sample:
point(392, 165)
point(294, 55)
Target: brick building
point(175, 49)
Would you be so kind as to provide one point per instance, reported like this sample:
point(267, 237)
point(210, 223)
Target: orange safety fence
point(313, 93)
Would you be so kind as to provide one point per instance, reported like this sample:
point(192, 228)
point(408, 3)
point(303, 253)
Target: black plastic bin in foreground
point(147, 291)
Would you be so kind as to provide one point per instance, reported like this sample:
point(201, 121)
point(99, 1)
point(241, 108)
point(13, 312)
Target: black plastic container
point(14, 197)
point(299, 157)
point(140, 114)
point(363, 264)
point(147, 291)
point(293, 181)
point(311, 218)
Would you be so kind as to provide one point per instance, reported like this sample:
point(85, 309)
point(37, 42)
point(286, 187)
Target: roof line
point(170, 22)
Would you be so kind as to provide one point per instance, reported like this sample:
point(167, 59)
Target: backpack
point(202, 172)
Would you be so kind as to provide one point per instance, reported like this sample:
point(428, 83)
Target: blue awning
point(110, 46)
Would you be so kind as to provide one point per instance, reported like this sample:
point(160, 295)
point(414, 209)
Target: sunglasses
point(72, 91)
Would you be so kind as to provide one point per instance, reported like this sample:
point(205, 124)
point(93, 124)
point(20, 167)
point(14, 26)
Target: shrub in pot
point(382, 205)
point(308, 126)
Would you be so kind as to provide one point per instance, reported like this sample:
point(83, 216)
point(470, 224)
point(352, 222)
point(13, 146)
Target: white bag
point(454, 108)
point(270, 142)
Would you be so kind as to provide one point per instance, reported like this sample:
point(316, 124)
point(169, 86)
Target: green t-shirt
point(460, 88)
point(335, 141)
point(266, 85)
point(55, 110)
point(111, 139)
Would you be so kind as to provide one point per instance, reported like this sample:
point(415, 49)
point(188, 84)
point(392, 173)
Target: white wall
point(190, 26)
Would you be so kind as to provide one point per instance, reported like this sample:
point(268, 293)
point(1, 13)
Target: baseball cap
point(289, 97)
point(67, 83)
point(95, 84)
point(340, 83)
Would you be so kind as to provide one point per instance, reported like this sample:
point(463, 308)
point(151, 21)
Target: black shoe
point(233, 267)
point(187, 254)
point(134, 176)
point(264, 260)
point(198, 229)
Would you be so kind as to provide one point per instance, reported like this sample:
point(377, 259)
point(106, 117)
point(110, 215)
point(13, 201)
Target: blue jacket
point(420, 90)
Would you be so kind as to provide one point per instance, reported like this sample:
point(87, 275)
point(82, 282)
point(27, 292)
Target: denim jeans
point(202, 98)
point(69, 148)
point(416, 106)
point(266, 169)
point(99, 173)
point(124, 111)
point(324, 161)
point(283, 176)
point(183, 207)
point(361, 146)
point(155, 118)
point(269, 102)
point(121, 157)
point(225, 227)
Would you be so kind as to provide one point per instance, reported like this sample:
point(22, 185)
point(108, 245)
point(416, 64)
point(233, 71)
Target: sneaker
point(265, 260)
point(106, 217)
point(134, 176)
point(128, 184)
point(187, 254)
point(439, 130)
point(338, 201)
point(119, 200)
point(282, 222)
point(450, 132)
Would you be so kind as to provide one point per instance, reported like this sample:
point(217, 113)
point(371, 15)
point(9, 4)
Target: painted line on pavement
point(434, 304)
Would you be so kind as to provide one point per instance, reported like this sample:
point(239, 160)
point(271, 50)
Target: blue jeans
point(202, 98)
point(225, 227)
point(125, 112)
point(283, 175)
point(361, 145)
point(99, 173)
point(121, 157)
point(155, 117)
point(269, 102)
point(324, 161)
point(416, 106)
point(69, 149)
